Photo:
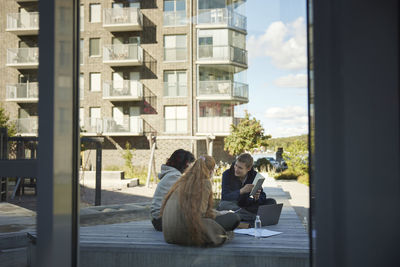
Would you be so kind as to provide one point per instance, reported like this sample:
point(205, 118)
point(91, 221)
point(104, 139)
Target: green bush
point(304, 179)
point(286, 175)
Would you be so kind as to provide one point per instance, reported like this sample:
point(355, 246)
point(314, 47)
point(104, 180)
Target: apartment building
point(173, 69)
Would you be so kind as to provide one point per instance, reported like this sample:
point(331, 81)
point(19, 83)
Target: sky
point(277, 73)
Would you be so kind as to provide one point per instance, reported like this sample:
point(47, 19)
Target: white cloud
point(286, 121)
point(292, 81)
point(285, 44)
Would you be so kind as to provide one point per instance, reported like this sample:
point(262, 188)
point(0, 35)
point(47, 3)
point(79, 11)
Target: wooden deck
point(138, 244)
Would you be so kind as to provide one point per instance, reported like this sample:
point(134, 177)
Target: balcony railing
point(175, 89)
point(215, 125)
point(125, 90)
point(23, 57)
point(123, 55)
point(222, 53)
point(175, 54)
point(27, 126)
point(109, 126)
point(223, 90)
point(174, 18)
point(222, 16)
point(123, 19)
point(23, 23)
point(22, 92)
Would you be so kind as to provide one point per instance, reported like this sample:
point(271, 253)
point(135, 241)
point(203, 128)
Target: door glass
point(118, 81)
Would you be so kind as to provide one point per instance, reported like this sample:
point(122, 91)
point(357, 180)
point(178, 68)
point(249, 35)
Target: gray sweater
point(168, 176)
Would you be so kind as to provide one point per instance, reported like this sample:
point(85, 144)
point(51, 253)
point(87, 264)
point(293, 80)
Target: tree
point(6, 123)
point(246, 136)
point(296, 156)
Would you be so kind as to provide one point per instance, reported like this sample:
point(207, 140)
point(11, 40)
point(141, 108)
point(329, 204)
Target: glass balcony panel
point(92, 126)
point(221, 89)
point(174, 18)
point(23, 56)
point(175, 89)
point(121, 19)
point(123, 54)
point(132, 125)
point(123, 90)
point(175, 54)
point(222, 16)
point(27, 126)
point(222, 53)
point(22, 92)
point(23, 22)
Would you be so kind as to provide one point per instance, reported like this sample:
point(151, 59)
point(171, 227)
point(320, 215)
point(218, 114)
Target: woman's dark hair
point(179, 159)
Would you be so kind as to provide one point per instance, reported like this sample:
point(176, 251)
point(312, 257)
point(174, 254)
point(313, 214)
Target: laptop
point(269, 214)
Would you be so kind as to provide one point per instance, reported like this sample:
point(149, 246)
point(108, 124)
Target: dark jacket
point(231, 186)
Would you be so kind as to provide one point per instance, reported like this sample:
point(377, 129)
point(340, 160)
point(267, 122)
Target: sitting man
point(236, 187)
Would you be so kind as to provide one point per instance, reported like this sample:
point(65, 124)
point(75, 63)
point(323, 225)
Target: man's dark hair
point(246, 158)
point(179, 159)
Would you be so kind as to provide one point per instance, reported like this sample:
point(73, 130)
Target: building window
point(81, 48)
point(174, 12)
point(94, 47)
point(95, 13)
point(81, 17)
point(175, 119)
point(81, 117)
point(81, 82)
point(207, 4)
point(175, 83)
point(175, 47)
point(95, 82)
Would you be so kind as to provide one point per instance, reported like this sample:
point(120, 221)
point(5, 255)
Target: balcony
point(123, 55)
point(23, 58)
point(23, 23)
point(223, 90)
point(173, 89)
point(132, 126)
point(22, 92)
point(175, 18)
point(27, 126)
point(221, 18)
point(215, 125)
point(125, 90)
point(123, 19)
point(222, 54)
point(175, 54)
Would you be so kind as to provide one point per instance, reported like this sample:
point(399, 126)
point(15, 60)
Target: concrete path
point(299, 198)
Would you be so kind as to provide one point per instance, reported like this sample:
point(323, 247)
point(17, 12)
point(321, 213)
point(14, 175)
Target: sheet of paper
point(250, 231)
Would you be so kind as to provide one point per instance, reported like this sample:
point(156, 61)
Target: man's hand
point(257, 195)
point(246, 189)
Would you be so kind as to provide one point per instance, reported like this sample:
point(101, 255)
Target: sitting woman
point(187, 213)
point(170, 173)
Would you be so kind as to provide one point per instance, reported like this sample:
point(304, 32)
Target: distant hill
point(284, 142)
